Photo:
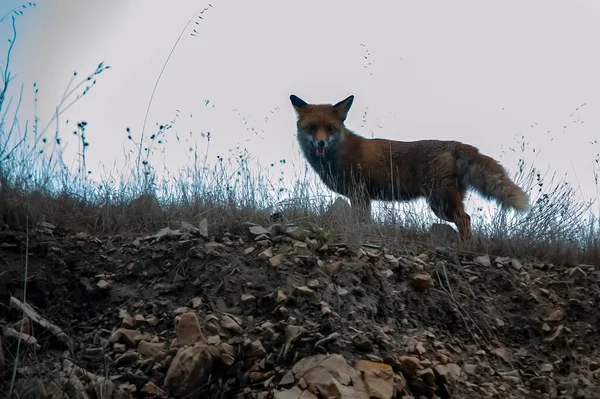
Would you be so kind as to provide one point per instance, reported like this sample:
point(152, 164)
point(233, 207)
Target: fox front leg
point(361, 207)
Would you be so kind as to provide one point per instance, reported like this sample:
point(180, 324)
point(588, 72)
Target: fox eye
point(330, 128)
point(312, 128)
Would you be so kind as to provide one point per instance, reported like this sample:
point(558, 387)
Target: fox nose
point(321, 143)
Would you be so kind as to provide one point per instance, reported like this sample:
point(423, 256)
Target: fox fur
point(365, 169)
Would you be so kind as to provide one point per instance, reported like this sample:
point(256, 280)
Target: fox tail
point(489, 178)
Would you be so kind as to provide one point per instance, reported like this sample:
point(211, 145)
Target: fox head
point(320, 126)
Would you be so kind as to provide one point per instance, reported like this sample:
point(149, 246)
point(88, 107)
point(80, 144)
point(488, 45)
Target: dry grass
point(37, 183)
point(555, 230)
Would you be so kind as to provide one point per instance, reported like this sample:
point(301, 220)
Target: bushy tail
point(489, 178)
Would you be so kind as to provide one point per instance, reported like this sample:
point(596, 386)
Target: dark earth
point(263, 313)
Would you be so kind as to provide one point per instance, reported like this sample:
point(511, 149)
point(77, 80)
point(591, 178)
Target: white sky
point(479, 72)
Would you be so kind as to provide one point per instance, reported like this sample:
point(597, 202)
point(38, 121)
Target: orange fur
point(377, 169)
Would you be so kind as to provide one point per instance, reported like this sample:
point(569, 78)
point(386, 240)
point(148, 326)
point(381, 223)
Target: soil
point(246, 308)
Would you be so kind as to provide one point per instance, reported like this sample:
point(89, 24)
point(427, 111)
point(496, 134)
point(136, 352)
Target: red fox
point(386, 170)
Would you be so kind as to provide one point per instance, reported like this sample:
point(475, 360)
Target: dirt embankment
point(279, 312)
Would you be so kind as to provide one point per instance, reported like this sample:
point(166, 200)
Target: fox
point(376, 169)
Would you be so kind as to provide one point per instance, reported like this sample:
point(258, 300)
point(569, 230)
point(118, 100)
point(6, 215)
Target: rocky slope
point(282, 312)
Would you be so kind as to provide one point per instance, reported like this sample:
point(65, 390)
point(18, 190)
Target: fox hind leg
point(361, 204)
point(359, 197)
point(446, 201)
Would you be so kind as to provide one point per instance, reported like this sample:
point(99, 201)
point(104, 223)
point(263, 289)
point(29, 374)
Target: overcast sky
point(480, 72)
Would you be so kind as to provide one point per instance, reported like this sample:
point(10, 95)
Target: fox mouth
point(320, 151)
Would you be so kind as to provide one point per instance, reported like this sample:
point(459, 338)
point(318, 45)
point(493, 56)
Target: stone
point(296, 233)
point(153, 389)
point(427, 375)
point(257, 349)
point(155, 350)
point(125, 336)
point(228, 323)
point(266, 254)
point(203, 228)
point(410, 364)
point(247, 299)
point(483, 260)
point(313, 284)
point(470, 369)
point(277, 260)
point(557, 315)
point(188, 330)
point(292, 333)
point(303, 291)
point(189, 370)
point(292, 393)
point(287, 379)
point(258, 230)
point(196, 302)
point(503, 354)
point(333, 268)
point(378, 379)
point(556, 335)
point(103, 284)
point(280, 297)
point(422, 281)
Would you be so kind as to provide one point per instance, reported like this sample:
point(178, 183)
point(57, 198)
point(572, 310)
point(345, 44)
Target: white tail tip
point(521, 203)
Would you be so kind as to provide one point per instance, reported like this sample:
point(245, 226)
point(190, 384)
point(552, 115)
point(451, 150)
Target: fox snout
point(319, 138)
point(320, 146)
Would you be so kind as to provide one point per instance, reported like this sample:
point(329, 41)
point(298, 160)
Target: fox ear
point(342, 108)
point(297, 102)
